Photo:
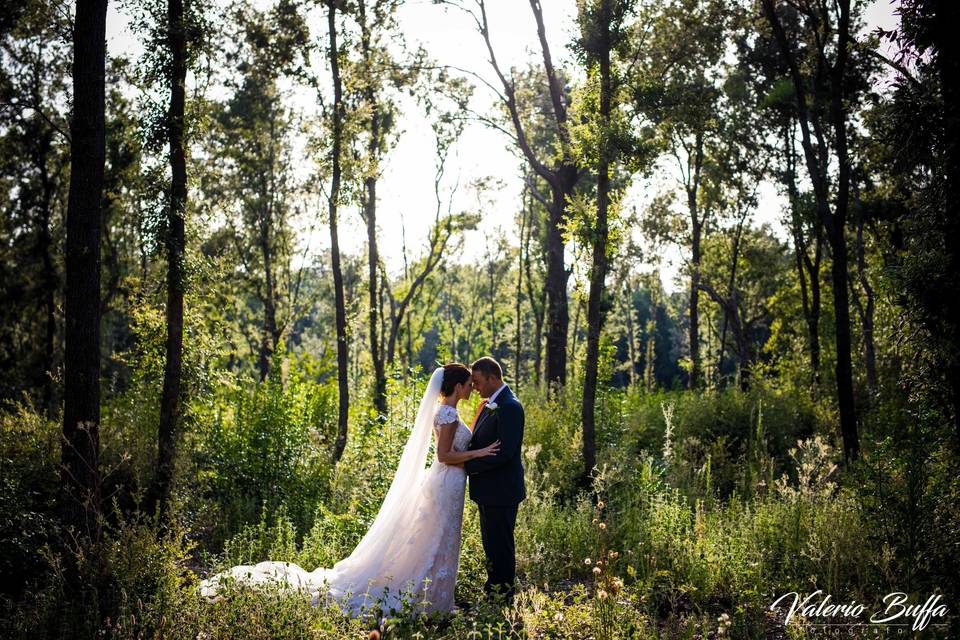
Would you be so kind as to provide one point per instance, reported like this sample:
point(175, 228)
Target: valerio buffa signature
point(897, 612)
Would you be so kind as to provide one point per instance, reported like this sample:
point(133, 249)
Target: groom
point(496, 481)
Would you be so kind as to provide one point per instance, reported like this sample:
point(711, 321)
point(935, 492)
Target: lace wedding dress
point(412, 549)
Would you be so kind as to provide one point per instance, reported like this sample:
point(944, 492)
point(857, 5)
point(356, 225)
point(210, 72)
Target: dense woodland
point(185, 386)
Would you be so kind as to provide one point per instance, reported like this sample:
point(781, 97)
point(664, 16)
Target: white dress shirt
point(493, 396)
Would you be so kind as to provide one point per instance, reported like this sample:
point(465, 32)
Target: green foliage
point(268, 445)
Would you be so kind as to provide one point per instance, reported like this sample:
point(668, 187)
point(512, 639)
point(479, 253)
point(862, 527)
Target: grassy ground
point(704, 509)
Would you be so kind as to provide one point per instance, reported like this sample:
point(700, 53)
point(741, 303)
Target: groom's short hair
point(488, 366)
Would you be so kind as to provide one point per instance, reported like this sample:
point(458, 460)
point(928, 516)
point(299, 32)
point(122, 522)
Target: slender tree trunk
point(598, 267)
point(575, 334)
point(537, 302)
point(808, 271)
point(650, 356)
point(170, 399)
point(562, 178)
point(558, 313)
point(694, 328)
point(518, 339)
point(341, 313)
point(834, 223)
point(49, 278)
point(696, 229)
point(594, 327)
point(370, 216)
point(268, 339)
point(848, 414)
point(865, 310)
point(80, 478)
point(731, 285)
point(627, 305)
point(493, 305)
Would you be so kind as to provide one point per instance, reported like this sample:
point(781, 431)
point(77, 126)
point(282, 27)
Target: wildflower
point(601, 594)
point(603, 525)
point(596, 520)
point(600, 505)
point(587, 561)
point(616, 585)
point(558, 617)
point(596, 570)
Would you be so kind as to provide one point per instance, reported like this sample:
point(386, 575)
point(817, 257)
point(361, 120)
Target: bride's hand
point(489, 450)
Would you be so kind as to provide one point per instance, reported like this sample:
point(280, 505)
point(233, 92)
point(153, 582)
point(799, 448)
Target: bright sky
point(406, 189)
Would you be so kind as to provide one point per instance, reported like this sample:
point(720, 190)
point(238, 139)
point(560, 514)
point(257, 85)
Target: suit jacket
point(497, 480)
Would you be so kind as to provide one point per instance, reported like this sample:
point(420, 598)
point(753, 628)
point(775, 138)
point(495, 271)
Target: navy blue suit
point(496, 485)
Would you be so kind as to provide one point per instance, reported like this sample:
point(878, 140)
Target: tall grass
point(704, 508)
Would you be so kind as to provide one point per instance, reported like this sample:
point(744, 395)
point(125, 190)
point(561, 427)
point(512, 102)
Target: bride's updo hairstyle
point(453, 374)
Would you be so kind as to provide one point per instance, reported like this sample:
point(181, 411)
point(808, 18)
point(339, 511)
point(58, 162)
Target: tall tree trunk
point(370, 216)
point(341, 313)
point(848, 415)
point(731, 287)
point(598, 268)
point(808, 271)
point(80, 478)
point(537, 305)
point(693, 381)
point(518, 339)
point(865, 310)
point(810, 300)
point(172, 372)
point(558, 312)
point(696, 232)
point(834, 223)
point(627, 307)
point(270, 339)
point(49, 276)
point(561, 177)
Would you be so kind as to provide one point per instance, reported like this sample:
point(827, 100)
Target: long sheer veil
point(362, 577)
point(359, 566)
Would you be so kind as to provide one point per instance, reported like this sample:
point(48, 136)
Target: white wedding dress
point(412, 549)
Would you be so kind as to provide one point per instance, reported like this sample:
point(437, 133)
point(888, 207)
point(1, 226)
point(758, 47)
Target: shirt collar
point(493, 396)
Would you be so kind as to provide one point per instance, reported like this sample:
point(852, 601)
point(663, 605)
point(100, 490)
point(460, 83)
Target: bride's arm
point(447, 455)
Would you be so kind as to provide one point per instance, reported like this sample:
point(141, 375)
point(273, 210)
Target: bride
point(413, 545)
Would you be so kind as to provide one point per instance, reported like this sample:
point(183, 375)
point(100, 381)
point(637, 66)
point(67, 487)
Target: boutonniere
point(492, 406)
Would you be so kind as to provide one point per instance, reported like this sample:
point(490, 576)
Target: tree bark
point(518, 334)
point(833, 222)
point(341, 313)
point(562, 178)
point(270, 338)
point(173, 367)
point(865, 310)
point(370, 217)
point(80, 478)
point(49, 274)
point(598, 269)
point(696, 228)
point(537, 305)
point(808, 271)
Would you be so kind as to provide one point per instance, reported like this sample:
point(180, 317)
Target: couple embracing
point(412, 549)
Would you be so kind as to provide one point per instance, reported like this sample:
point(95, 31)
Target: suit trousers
point(496, 530)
